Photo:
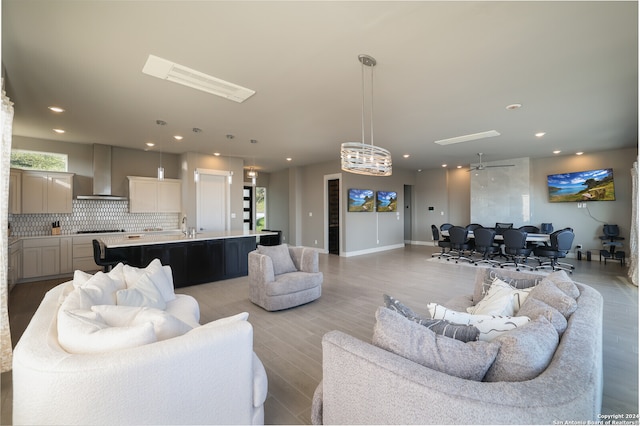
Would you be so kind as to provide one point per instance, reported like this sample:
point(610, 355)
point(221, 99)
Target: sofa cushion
point(464, 333)
point(293, 282)
point(524, 353)
point(85, 332)
point(116, 274)
point(99, 289)
point(500, 299)
point(143, 293)
point(490, 326)
point(406, 338)
point(564, 283)
point(533, 308)
point(165, 325)
point(550, 294)
point(280, 257)
point(160, 275)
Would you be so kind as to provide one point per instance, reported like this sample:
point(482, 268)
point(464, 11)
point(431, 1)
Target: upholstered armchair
point(281, 277)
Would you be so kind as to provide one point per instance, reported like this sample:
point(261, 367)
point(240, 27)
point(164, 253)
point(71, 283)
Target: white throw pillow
point(99, 289)
point(84, 332)
point(500, 299)
point(143, 293)
point(80, 278)
point(490, 326)
point(165, 325)
point(161, 277)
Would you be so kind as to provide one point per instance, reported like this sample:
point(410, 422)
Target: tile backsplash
point(89, 215)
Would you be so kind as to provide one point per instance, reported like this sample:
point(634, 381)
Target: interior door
point(212, 202)
point(333, 199)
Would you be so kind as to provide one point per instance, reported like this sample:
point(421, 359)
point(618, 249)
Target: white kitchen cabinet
point(150, 195)
point(83, 254)
point(15, 263)
point(46, 192)
point(66, 255)
point(15, 191)
point(40, 257)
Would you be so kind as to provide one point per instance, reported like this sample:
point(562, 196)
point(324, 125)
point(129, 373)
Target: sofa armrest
point(261, 268)
point(205, 376)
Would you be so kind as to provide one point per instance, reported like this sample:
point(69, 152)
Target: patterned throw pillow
point(490, 326)
point(517, 283)
point(409, 340)
point(501, 299)
point(464, 333)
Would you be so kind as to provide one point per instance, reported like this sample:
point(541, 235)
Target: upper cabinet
point(150, 195)
point(46, 192)
point(15, 191)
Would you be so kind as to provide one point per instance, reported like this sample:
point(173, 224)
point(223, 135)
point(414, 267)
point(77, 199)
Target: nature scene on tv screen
point(361, 200)
point(386, 201)
point(590, 185)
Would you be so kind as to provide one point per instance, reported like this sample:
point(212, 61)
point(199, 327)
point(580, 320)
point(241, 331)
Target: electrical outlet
point(579, 246)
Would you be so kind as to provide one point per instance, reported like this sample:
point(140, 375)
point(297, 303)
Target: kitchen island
point(205, 257)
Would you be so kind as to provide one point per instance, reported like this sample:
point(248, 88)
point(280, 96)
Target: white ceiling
point(445, 69)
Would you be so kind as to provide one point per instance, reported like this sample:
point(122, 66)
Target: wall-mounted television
point(590, 185)
point(360, 200)
point(386, 201)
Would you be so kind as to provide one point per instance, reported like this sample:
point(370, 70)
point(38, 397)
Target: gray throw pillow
point(396, 334)
point(550, 294)
point(533, 308)
point(282, 262)
point(524, 352)
point(464, 333)
point(564, 283)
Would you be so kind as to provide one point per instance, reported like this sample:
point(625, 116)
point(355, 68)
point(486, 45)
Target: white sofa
point(208, 375)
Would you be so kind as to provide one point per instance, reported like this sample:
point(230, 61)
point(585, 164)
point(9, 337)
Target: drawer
point(85, 264)
point(41, 242)
point(82, 250)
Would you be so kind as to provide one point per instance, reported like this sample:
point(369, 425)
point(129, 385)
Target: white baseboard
point(372, 250)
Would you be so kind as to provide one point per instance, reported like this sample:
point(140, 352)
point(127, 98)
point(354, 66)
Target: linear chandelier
point(361, 158)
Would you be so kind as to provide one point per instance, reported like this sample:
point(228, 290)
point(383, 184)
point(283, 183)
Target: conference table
point(531, 237)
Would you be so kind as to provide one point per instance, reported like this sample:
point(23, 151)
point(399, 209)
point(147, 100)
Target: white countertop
point(129, 240)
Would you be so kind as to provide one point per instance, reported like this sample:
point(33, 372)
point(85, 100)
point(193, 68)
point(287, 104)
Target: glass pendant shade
point(361, 158)
point(160, 173)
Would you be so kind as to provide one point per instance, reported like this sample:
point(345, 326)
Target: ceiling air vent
point(167, 70)
point(467, 138)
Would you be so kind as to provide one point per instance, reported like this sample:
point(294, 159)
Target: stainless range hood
point(101, 175)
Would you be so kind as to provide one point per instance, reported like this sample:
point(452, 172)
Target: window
point(261, 210)
point(37, 160)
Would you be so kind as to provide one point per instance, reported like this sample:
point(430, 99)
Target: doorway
point(333, 215)
point(212, 201)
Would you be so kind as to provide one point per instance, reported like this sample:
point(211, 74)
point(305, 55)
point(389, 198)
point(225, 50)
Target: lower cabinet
point(196, 262)
point(15, 263)
point(40, 257)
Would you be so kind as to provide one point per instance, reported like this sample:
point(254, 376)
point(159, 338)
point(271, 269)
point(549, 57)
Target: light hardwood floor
point(289, 342)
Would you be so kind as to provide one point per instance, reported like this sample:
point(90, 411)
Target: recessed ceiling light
point(178, 137)
point(217, 154)
point(557, 151)
point(444, 165)
point(540, 134)
point(150, 144)
point(289, 158)
point(56, 109)
point(579, 153)
point(230, 136)
point(253, 141)
point(59, 131)
point(405, 155)
point(513, 106)
point(419, 170)
point(458, 167)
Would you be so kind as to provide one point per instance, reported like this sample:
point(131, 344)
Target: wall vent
point(467, 138)
point(167, 70)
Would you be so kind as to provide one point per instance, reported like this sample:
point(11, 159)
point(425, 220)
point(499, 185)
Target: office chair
point(445, 226)
point(501, 227)
point(443, 244)
point(560, 244)
point(484, 244)
point(459, 237)
point(515, 248)
point(546, 228)
point(106, 262)
point(611, 238)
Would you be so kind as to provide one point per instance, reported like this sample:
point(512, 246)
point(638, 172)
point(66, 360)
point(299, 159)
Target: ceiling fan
point(481, 166)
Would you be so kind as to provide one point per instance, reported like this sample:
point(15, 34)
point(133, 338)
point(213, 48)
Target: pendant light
point(361, 158)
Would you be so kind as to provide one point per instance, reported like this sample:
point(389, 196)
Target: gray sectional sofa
point(364, 384)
